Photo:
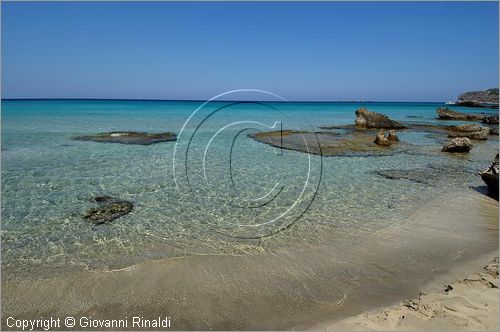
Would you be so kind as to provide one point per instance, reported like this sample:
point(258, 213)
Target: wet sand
point(295, 287)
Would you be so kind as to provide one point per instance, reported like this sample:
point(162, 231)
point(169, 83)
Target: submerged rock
point(128, 137)
point(458, 144)
point(448, 114)
point(353, 143)
point(386, 140)
point(431, 175)
point(101, 198)
point(471, 131)
point(367, 119)
point(108, 212)
point(490, 176)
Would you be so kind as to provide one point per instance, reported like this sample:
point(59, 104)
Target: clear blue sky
point(301, 51)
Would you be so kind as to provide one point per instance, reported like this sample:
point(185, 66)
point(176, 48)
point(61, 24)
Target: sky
point(323, 51)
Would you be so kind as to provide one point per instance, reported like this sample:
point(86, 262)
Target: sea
point(213, 191)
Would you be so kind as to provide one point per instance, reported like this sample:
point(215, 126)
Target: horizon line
point(204, 100)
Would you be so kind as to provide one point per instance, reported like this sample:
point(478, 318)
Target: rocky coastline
point(479, 99)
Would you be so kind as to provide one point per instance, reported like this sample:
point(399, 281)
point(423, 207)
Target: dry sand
point(470, 303)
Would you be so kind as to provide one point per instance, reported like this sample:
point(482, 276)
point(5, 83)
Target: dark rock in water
point(128, 137)
point(367, 119)
point(108, 212)
point(101, 198)
point(414, 116)
point(386, 140)
point(448, 114)
point(471, 131)
point(490, 177)
point(458, 144)
point(486, 98)
point(426, 176)
point(494, 131)
point(490, 119)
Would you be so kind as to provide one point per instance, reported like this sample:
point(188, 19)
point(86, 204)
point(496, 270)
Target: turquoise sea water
point(206, 198)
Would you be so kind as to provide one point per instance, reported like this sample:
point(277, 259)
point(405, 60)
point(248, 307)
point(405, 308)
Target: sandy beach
point(292, 288)
point(470, 303)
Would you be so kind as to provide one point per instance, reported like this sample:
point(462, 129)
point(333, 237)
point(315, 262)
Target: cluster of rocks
point(357, 139)
point(462, 134)
point(108, 210)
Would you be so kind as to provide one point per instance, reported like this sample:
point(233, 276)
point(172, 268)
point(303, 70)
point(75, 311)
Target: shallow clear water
point(215, 198)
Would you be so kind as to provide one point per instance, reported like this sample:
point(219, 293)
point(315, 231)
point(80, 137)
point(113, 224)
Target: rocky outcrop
point(448, 114)
point(458, 144)
point(471, 131)
point(128, 137)
point(368, 120)
point(386, 140)
point(490, 177)
point(486, 98)
point(490, 119)
point(109, 210)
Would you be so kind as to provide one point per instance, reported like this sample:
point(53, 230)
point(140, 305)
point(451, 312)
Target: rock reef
point(128, 137)
point(448, 114)
point(471, 131)
point(354, 143)
point(490, 119)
